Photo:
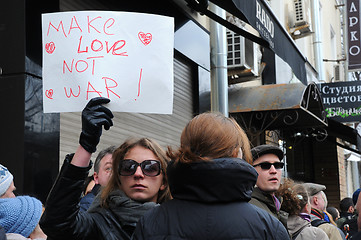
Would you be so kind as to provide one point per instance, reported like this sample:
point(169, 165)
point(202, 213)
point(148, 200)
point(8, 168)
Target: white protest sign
point(126, 57)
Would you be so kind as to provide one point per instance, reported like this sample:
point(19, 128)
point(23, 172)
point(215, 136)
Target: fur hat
point(261, 150)
point(20, 214)
point(6, 178)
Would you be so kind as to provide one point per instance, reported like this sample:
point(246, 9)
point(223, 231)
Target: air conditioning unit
point(338, 72)
point(242, 61)
point(302, 16)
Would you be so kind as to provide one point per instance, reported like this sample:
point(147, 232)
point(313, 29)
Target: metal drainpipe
point(317, 40)
point(219, 80)
point(345, 43)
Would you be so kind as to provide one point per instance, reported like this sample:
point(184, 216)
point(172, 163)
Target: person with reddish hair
point(211, 182)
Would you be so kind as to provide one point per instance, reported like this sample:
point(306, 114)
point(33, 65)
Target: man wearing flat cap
point(267, 160)
point(318, 201)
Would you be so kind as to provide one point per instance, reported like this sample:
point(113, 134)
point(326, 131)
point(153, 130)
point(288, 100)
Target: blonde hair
point(118, 155)
point(332, 221)
point(211, 135)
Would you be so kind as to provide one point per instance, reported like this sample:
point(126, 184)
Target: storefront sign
point(126, 57)
point(259, 15)
point(342, 100)
point(264, 24)
point(353, 34)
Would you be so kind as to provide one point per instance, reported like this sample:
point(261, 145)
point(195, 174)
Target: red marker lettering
point(57, 29)
point(114, 48)
point(140, 78)
point(89, 24)
point(78, 68)
point(65, 64)
point(86, 48)
point(108, 87)
point(71, 92)
point(94, 47)
point(112, 21)
point(73, 19)
point(87, 91)
point(94, 62)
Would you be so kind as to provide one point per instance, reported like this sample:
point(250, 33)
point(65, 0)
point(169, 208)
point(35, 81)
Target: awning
point(258, 14)
point(352, 157)
point(277, 106)
point(288, 107)
point(345, 133)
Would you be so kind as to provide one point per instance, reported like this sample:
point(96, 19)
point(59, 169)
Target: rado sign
point(264, 24)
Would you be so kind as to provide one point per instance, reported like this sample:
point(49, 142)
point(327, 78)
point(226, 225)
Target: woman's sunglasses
point(150, 168)
point(267, 165)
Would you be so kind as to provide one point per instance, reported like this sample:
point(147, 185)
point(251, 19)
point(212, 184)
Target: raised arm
point(94, 117)
point(61, 219)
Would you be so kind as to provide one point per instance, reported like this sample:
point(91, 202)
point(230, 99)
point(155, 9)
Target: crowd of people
point(213, 186)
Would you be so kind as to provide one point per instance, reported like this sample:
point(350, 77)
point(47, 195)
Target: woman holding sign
point(138, 184)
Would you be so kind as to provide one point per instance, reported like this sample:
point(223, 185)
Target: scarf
point(317, 213)
point(277, 203)
point(305, 216)
point(125, 209)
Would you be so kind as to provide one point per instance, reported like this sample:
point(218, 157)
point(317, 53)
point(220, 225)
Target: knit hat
point(6, 178)
point(355, 196)
point(20, 214)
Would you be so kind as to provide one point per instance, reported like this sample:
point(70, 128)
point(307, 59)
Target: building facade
point(277, 51)
point(317, 150)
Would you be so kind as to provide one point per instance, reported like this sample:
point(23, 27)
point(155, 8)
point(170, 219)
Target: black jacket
point(210, 202)
point(62, 220)
point(350, 220)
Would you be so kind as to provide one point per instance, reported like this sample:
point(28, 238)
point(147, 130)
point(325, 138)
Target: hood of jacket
point(218, 180)
point(295, 224)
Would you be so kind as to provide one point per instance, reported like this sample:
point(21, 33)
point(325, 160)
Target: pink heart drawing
point(49, 93)
point(145, 38)
point(50, 47)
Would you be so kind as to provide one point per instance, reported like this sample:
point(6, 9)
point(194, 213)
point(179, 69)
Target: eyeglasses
point(150, 168)
point(267, 165)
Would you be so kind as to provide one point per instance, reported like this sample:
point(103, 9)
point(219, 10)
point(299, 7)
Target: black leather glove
point(94, 117)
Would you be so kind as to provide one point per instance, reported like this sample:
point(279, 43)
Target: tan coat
point(303, 229)
point(332, 231)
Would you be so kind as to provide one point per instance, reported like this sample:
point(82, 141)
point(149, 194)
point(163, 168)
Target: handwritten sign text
point(126, 57)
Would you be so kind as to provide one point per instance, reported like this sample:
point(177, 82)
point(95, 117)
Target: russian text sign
point(126, 57)
point(342, 100)
point(353, 34)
